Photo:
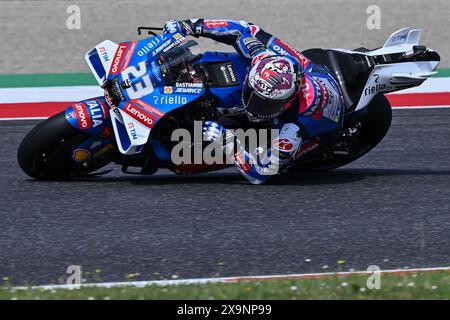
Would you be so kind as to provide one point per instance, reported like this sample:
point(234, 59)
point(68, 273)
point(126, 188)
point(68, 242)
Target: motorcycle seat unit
point(349, 70)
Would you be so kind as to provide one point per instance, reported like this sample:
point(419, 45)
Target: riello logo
point(140, 115)
point(374, 89)
point(117, 61)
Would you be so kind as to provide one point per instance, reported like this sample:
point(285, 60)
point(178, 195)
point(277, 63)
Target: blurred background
point(36, 38)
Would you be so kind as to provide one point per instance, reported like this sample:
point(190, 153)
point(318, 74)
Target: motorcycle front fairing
point(137, 92)
point(144, 80)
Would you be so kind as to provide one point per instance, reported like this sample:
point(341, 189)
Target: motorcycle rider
point(300, 98)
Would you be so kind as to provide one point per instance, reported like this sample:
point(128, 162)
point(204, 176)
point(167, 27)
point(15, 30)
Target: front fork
point(92, 117)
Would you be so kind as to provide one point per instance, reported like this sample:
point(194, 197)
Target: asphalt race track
point(390, 208)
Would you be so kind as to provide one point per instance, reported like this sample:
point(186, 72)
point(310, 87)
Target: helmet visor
point(259, 107)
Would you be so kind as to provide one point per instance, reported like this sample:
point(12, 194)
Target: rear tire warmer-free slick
point(45, 152)
point(375, 125)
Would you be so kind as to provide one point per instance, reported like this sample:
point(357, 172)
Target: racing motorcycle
point(164, 82)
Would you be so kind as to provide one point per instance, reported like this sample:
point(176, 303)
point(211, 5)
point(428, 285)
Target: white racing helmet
point(269, 87)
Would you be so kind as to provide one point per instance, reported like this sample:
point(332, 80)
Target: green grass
point(422, 285)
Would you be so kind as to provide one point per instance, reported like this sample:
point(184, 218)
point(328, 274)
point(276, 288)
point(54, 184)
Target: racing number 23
point(143, 86)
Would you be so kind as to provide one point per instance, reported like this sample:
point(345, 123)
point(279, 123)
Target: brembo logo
point(117, 61)
point(140, 115)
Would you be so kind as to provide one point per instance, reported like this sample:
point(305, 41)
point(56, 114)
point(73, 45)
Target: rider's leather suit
point(316, 110)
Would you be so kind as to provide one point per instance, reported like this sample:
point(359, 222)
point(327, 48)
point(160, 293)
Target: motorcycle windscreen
point(177, 64)
point(99, 60)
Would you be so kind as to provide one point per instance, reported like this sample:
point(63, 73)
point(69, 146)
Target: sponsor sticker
point(168, 90)
point(103, 53)
point(132, 130)
point(249, 39)
point(130, 54)
point(189, 85)
point(108, 99)
point(140, 115)
point(84, 121)
point(188, 90)
point(253, 44)
point(155, 71)
point(170, 100)
point(149, 108)
point(306, 148)
point(81, 155)
point(241, 162)
point(183, 88)
point(118, 58)
point(228, 73)
point(174, 44)
point(283, 47)
point(283, 144)
point(371, 90)
point(147, 48)
point(97, 112)
point(212, 24)
point(162, 47)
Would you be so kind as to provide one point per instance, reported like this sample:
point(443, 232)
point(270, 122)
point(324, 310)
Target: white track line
point(78, 93)
point(140, 284)
point(49, 94)
point(431, 85)
point(421, 107)
point(26, 118)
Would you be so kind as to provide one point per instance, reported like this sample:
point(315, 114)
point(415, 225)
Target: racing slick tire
point(45, 153)
point(375, 124)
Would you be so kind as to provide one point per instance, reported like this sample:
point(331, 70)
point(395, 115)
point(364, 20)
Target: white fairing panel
point(392, 77)
point(404, 36)
point(130, 134)
point(99, 60)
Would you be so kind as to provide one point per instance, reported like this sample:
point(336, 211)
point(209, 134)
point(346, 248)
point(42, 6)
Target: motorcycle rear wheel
point(375, 125)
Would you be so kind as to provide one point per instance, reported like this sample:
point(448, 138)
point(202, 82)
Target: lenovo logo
point(84, 121)
point(117, 61)
point(140, 115)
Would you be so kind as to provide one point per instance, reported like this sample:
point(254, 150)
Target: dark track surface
point(390, 208)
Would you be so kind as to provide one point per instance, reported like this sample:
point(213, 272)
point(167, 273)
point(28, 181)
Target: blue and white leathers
point(317, 108)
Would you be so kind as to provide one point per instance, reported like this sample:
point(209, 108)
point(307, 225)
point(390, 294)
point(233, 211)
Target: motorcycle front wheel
point(46, 151)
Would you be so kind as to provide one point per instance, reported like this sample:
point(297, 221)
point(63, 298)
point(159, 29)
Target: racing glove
point(213, 131)
point(247, 164)
point(191, 27)
point(173, 26)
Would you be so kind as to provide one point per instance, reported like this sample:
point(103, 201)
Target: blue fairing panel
point(124, 139)
point(317, 127)
point(90, 116)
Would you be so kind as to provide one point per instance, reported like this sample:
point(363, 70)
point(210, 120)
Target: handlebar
point(150, 30)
